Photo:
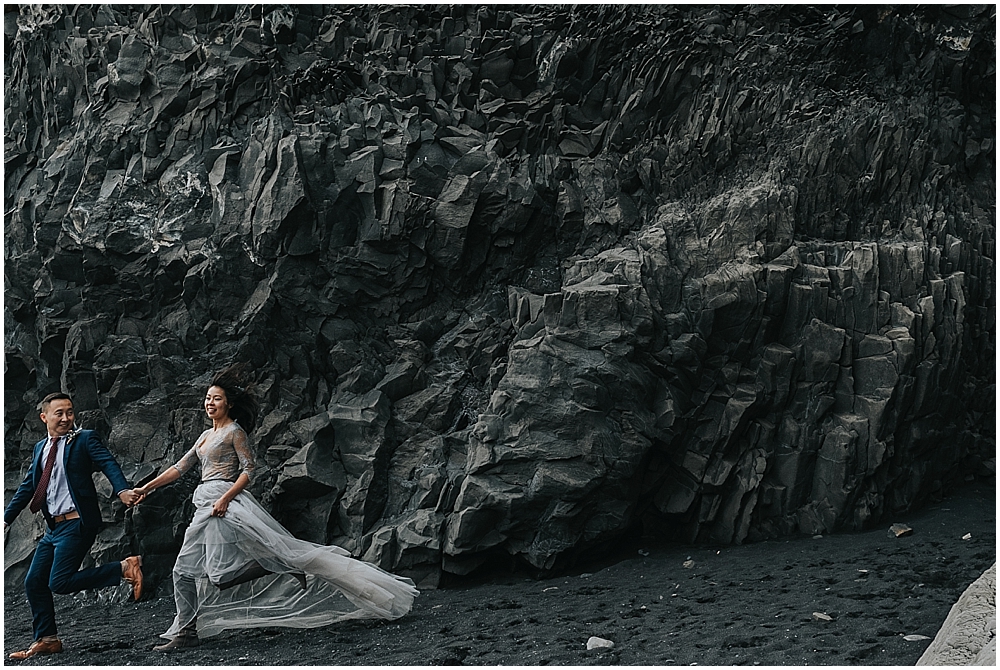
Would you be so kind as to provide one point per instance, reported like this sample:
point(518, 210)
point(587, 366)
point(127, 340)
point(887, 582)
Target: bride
point(239, 568)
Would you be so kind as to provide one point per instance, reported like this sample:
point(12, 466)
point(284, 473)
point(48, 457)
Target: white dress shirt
point(57, 496)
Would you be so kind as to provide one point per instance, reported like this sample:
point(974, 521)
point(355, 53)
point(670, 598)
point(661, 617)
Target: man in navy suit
point(59, 485)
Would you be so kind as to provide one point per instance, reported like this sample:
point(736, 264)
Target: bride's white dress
point(218, 550)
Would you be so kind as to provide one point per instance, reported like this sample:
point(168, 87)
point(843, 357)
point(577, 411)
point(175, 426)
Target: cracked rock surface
point(516, 282)
point(969, 635)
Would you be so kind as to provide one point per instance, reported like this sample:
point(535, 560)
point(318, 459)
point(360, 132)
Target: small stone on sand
point(899, 530)
point(599, 643)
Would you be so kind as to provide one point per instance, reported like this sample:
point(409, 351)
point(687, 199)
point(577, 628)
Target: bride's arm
point(169, 475)
point(222, 504)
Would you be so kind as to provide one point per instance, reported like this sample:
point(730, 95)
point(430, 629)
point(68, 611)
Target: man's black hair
point(58, 395)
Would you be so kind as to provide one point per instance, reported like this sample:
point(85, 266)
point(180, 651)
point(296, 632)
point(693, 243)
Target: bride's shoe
point(179, 642)
point(186, 637)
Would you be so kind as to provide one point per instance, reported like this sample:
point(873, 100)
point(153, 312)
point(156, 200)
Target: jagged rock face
point(514, 281)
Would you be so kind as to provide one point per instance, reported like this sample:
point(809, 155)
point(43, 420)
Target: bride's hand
point(129, 497)
point(220, 507)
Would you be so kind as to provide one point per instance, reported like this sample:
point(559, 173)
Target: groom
point(59, 486)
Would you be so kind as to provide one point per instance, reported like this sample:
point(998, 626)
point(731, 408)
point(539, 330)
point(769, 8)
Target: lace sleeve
point(241, 444)
point(188, 460)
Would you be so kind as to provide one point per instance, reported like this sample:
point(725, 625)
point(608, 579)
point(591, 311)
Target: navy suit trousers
point(55, 568)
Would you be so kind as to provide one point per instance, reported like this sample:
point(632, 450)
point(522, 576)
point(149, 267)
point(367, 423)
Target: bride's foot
point(186, 637)
point(179, 642)
point(301, 579)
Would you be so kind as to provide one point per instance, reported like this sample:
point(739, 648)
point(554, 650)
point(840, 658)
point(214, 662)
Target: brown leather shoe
point(179, 642)
point(38, 647)
point(132, 573)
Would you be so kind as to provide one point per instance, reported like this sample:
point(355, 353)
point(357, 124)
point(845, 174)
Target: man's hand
point(129, 497)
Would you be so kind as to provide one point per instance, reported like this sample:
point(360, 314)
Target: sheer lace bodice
point(223, 454)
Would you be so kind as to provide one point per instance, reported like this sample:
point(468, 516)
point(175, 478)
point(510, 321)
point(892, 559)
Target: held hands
point(132, 496)
point(128, 497)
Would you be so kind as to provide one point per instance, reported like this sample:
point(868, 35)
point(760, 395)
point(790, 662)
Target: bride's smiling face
point(216, 403)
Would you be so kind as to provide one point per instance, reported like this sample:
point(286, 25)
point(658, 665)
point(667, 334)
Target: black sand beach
point(847, 599)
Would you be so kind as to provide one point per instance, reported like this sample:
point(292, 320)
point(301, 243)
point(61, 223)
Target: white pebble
point(599, 643)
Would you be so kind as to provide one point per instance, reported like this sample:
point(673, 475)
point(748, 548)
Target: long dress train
point(217, 550)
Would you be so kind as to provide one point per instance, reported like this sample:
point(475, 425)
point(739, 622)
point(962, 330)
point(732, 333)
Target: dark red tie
point(43, 483)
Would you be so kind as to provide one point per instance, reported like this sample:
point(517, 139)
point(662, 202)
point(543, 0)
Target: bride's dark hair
point(238, 384)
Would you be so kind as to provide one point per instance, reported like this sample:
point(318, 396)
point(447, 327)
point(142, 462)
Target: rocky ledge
point(517, 282)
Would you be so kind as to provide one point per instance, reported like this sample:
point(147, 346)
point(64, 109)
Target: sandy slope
point(746, 605)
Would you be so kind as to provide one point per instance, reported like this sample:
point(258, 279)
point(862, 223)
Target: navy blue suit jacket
point(85, 454)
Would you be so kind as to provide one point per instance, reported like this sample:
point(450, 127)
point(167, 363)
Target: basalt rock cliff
point(515, 281)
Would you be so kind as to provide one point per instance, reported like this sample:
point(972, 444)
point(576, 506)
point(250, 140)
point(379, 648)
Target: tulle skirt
point(217, 551)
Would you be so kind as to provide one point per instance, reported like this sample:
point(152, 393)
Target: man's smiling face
point(58, 416)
